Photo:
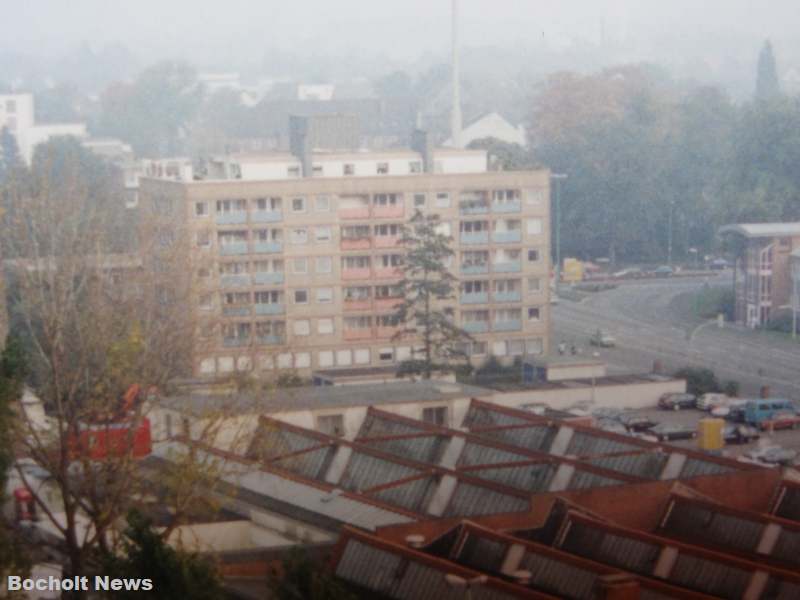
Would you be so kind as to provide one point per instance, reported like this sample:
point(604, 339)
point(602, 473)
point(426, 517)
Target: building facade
point(301, 273)
point(762, 278)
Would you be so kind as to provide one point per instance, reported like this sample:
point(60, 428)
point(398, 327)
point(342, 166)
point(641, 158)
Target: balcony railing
point(235, 342)
point(383, 212)
point(270, 340)
point(233, 248)
point(475, 298)
point(268, 278)
point(357, 334)
point(270, 309)
point(387, 303)
point(477, 237)
point(515, 296)
point(507, 267)
point(386, 241)
point(236, 280)
point(365, 304)
point(513, 325)
point(360, 243)
point(388, 273)
point(475, 326)
point(232, 218)
point(506, 237)
point(266, 216)
point(474, 269)
point(506, 207)
point(267, 247)
point(364, 273)
point(357, 212)
point(387, 332)
point(473, 209)
point(236, 311)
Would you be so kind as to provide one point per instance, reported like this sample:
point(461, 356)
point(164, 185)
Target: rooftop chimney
point(455, 117)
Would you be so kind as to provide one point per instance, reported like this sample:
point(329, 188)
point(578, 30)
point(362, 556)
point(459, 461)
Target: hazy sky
point(403, 29)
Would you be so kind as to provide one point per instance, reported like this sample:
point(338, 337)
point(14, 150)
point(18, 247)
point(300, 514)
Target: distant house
point(492, 125)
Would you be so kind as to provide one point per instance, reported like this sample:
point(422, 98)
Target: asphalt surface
point(650, 323)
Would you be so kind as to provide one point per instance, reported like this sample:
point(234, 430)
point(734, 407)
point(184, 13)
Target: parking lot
point(789, 438)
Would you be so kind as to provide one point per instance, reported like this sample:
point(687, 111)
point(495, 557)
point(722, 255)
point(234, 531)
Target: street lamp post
point(795, 272)
point(669, 235)
point(557, 177)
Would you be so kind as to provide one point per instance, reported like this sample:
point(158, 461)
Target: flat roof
point(756, 230)
point(322, 397)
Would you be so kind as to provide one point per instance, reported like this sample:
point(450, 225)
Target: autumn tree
point(427, 287)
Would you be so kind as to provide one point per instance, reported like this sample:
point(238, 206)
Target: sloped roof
point(757, 230)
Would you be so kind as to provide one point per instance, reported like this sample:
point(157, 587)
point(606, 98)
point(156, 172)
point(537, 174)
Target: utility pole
point(669, 235)
point(557, 177)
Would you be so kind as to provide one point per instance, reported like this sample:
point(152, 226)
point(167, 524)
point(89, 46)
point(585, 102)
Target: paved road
point(647, 325)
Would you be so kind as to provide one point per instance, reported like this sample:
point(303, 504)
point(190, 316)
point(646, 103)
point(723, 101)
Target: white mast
point(455, 117)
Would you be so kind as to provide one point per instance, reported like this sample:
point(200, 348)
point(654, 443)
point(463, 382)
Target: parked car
point(630, 273)
point(756, 412)
point(607, 412)
point(611, 425)
point(736, 408)
point(710, 400)
point(739, 434)
point(603, 339)
point(664, 271)
point(666, 432)
point(787, 420)
point(772, 455)
point(675, 401)
point(636, 422)
point(718, 264)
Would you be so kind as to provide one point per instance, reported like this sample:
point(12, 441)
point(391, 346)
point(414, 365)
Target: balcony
point(475, 298)
point(357, 334)
point(473, 238)
point(266, 278)
point(476, 327)
point(513, 325)
point(355, 243)
point(237, 280)
point(235, 342)
point(473, 208)
point(507, 237)
point(266, 216)
point(270, 309)
point(388, 273)
point(270, 340)
point(387, 332)
point(474, 269)
point(350, 274)
point(507, 296)
point(236, 311)
point(506, 207)
point(358, 212)
point(267, 247)
point(386, 241)
point(232, 218)
point(507, 267)
point(365, 304)
point(387, 303)
point(388, 212)
point(232, 248)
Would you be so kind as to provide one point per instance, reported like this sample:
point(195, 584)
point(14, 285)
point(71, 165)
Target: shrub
point(699, 381)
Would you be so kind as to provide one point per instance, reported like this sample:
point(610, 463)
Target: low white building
point(491, 125)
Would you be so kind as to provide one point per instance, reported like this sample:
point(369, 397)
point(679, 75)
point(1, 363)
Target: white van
point(709, 401)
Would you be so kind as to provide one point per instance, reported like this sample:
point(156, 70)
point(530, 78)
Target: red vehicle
point(114, 433)
point(782, 421)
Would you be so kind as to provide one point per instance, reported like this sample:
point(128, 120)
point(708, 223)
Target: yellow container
point(709, 434)
point(573, 270)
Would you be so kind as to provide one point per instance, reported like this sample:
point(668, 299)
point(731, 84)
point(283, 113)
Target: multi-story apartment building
point(301, 272)
point(762, 277)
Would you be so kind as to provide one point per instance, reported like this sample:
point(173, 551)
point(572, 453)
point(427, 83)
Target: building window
point(302, 327)
point(301, 296)
point(293, 171)
point(316, 171)
point(201, 209)
point(349, 169)
point(324, 295)
point(300, 266)
point(442, 200)
point(298, 205)
point(386, 354)
point(415, 166)
point(534, 346)
point(207, 301)
point(331, 425)
point(325, 326)
point(534, 285)
point(11, 106)
point(344, 358)
point(299, 235)
point(322, 203)
point(419, 200)
point(534, 197)
point(322, 233)
point(534, 314)
point(302, 360)
point(534, 226)
point(324, 264)
point(382, 168)
point(362, 356)
point(533, 255)
point(203, 238)
point(436, 415)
